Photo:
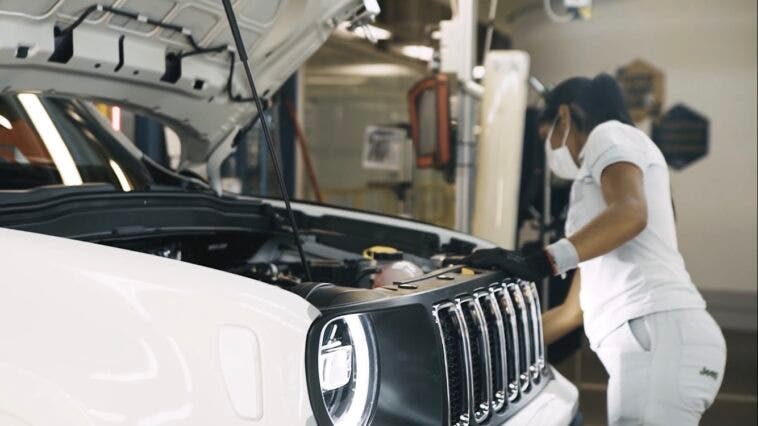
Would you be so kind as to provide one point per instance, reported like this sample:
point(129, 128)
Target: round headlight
point(347, 369)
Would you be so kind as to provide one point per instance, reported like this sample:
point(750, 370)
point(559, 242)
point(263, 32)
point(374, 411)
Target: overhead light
point(368, 70)
point(375, 32)
point(478, 72)
point(367, 32)
point(116, 118)
point(335, 80)
point(5, 123)
point(418, 51)
point(51, 138)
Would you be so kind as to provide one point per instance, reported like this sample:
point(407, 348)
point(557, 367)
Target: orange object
point(442, 155)
point(306, 153)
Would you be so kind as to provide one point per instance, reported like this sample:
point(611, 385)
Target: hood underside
point(169, 58)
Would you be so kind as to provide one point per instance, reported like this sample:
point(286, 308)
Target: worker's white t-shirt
point(646, 274)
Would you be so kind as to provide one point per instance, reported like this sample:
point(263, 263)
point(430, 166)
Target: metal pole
point(466, 147)
point(544, 233)
point(306, 153)
point(546, 220)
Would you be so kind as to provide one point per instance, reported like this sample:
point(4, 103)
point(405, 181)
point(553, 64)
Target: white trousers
point(665, 368)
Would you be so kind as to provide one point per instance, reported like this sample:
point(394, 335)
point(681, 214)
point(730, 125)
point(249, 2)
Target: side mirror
point(429, 112)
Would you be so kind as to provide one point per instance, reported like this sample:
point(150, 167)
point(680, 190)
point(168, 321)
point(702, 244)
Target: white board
point(499, 151)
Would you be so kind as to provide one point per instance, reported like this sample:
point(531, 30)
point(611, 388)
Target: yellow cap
point(369, 252)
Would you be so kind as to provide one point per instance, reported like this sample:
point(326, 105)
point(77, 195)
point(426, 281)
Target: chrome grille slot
point(451, 330)
point(497, 347)
point(513, 366)
point(531, 299)
point(493, 351)
point(480, 357)
point(525, 335)
point(541, 358)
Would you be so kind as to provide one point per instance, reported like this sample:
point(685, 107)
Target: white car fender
point(96, 335)
point(23, 396)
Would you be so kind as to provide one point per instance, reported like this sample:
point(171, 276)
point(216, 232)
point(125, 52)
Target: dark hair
point(592, 101)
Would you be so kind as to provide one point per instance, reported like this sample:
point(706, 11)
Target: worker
point(642, 314)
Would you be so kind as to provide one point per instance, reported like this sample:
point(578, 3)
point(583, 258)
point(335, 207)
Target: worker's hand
point(532, 267)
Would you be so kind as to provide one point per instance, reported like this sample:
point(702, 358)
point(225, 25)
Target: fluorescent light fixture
point(418, 51)
point(376, 32)
point(368, 70)
point(335, 80)
point(51, 138)
point(478, 72)
point(5, 123)
point(116, 118)
point(122, 180)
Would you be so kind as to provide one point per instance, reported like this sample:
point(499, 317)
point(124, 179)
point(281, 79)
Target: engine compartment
point(273, 257)
point(240, 235)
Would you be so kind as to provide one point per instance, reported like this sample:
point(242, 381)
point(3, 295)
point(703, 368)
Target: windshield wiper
point(242, 54)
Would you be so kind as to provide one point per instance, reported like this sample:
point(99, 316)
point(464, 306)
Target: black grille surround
point(454, 348)
point(493, 350)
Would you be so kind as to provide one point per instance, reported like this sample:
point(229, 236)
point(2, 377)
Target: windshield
point(54, 141)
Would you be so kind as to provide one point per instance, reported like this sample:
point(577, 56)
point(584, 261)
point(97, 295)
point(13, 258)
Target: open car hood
point(133, 61)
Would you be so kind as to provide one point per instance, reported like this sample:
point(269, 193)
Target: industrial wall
point(337, 110)
point(336, 115)
point(707, 51)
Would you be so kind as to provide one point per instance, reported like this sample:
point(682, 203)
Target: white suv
point(135, 295)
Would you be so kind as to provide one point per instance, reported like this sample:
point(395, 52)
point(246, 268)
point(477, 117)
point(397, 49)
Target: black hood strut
point(242, 52)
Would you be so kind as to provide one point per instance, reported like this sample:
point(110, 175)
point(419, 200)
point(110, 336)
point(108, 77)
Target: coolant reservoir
point(392, 268)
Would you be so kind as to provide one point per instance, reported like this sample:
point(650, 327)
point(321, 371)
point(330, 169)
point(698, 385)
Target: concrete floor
point(735, 405)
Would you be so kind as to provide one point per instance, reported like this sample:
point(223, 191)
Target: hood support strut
point(242, 52)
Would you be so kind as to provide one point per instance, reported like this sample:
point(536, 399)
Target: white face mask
point(560, 160)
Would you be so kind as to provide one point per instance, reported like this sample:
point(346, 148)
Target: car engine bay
point(274, 258)
point(240, 235)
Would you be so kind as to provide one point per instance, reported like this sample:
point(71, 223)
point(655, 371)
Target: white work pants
point(665, 368)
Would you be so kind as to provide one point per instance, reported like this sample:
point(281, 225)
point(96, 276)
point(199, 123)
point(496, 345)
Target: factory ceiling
point(409, 23)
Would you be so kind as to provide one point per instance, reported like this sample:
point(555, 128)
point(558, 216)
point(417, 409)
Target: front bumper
point(556, 405)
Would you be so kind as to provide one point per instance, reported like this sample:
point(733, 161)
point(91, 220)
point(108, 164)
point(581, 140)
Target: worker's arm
point(564, 318)
point(623, 219)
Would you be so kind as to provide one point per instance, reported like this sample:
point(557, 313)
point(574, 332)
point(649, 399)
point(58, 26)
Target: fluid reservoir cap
point(380, 257)
point(373, 250)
